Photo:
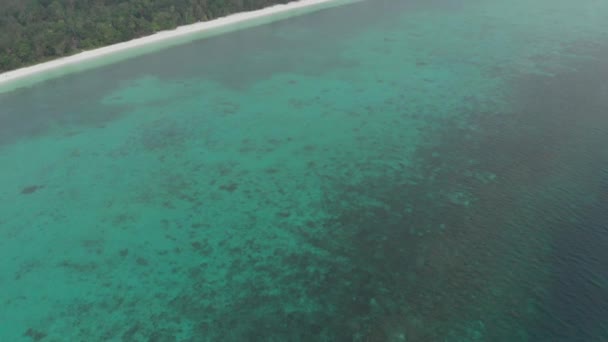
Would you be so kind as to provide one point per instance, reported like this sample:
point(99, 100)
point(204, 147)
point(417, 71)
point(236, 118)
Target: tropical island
point(41, 30)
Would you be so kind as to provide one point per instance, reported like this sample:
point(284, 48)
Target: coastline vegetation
point(34, 31)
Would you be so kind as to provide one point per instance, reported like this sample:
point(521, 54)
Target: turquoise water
point(381, 171)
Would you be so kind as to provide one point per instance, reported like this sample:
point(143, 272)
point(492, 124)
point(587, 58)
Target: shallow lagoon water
point(381, 171)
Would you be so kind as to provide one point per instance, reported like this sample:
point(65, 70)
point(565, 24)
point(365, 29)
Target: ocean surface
point(386, 170)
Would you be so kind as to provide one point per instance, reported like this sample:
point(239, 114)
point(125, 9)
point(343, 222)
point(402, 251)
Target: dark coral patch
point(229, 187)
point(31, 189)
point(284, 214)
point(142, 262)
point(34, 334)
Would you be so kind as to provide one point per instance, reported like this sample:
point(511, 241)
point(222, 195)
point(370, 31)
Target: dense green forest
point(32, 31)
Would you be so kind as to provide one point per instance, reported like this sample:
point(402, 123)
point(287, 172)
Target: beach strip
point(160, 40)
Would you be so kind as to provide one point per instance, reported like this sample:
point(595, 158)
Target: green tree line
point(33, 31)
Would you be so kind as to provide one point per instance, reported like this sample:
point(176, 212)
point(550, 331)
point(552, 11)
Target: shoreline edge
point(26, 76)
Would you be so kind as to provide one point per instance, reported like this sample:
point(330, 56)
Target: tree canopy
point(33, 31)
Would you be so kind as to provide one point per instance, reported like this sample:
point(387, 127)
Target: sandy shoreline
point(215, 26)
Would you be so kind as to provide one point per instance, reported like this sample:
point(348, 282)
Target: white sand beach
point(112, 53)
